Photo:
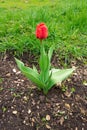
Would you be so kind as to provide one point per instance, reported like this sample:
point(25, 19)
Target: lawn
point(22, 105)
point(66, 21)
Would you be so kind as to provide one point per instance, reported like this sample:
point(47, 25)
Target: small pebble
point(67, 106)
point(14, 70)
point(14, 112)
point(37, 107)
point(18, 72)
point(29, 111)
point(48, 127)
point(25, 98)
point(24, 122)
point(8, 74)
point(47, 117)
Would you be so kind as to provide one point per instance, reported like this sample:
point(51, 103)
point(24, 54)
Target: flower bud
point(41, 31)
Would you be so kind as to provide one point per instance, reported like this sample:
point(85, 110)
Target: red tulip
point(41, 31)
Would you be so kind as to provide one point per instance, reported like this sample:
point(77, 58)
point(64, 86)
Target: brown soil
point(24, 107)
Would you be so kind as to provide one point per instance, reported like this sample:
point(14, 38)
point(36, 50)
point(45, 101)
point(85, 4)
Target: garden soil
point(24, 107)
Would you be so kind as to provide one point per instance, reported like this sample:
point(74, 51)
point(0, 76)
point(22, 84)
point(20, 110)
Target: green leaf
point(59, 75)
point(44, 65)
point(44, 60)
point(30, 73)
point(50, 52)
point(35, 69)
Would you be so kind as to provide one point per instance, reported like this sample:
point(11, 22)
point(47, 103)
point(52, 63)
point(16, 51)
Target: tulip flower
point(41, 31)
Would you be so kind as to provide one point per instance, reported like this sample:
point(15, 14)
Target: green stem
point(41, 41)
point(41, 54)
point(45, 91)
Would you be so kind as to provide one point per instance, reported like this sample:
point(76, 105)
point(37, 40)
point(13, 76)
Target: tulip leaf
point(44, 60)
point(50, 52)
point(44, 65)
point(35, 69)
point(59, 75)
point(30, 73)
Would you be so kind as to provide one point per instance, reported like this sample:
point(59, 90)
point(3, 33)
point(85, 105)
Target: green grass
point(66, 21)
